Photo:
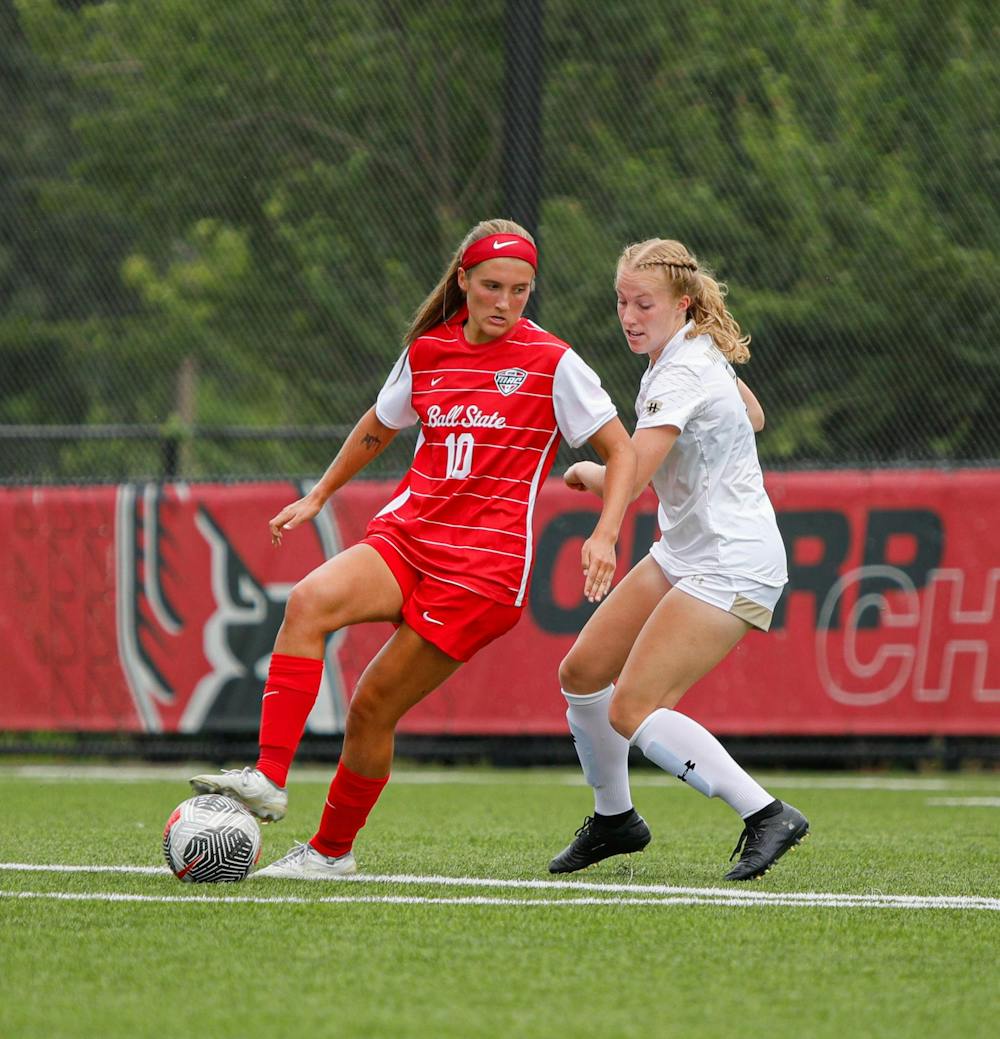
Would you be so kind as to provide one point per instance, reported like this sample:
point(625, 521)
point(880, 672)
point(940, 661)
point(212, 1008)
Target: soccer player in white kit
point(448, 559)
point(717, 570)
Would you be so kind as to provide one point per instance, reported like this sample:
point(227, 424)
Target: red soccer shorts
point(457, 621)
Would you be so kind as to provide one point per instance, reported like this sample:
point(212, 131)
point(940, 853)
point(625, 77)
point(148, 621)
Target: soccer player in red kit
point(448, 559)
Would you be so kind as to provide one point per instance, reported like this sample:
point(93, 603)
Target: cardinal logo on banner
point(199, 604)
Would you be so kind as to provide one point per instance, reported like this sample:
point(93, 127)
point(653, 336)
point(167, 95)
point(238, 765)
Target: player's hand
point(598, 558)
point(572, 478)
point(293, 515)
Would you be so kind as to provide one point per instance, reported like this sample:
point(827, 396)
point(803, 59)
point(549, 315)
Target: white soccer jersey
point(715, 516)
point(491, 416)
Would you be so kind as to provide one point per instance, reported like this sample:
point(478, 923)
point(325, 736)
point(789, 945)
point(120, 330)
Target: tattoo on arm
point(371, 441)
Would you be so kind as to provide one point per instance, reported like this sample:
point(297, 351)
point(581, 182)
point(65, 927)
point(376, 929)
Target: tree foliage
point(261, 194)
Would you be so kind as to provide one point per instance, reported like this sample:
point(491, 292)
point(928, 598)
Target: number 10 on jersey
point(459, 455)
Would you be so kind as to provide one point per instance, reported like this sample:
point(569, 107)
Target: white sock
point(682, 747)
point(603, 753)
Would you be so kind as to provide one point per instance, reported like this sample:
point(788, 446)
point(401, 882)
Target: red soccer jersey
point(491, 417)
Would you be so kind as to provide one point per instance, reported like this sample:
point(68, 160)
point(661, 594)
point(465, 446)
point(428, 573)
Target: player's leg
point(406, 669)
point(683, 640)
point(354, 586)
point(603, 645)
point(586, 677)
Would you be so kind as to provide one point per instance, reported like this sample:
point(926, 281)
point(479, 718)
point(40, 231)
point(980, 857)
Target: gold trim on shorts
point(751, 612)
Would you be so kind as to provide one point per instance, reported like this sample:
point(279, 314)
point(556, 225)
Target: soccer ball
point(211, 838)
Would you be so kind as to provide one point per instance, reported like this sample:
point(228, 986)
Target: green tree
point(59, 248)
point(340, 144)
point(243, 202)
point(838, 163)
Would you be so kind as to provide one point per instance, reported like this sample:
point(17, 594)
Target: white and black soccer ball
point(211, 839)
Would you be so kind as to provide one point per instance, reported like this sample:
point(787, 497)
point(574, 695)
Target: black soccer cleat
point(594, 842)
point(766, 841)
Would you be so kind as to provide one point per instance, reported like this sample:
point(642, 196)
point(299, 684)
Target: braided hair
point(687, 277)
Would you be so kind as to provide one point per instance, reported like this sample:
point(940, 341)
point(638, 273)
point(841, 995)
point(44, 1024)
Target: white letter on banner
point(902, 653)
point(933, 629)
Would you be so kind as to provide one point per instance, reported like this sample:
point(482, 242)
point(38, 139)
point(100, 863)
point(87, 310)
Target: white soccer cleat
point(304, 862)
point(267, 801)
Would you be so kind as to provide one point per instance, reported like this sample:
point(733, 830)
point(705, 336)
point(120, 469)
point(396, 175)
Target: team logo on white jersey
point(653, 407)
point(510, 379)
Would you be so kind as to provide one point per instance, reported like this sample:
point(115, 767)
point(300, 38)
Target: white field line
point(964, 802)
point(473, 900)
point(632, 894)
point(472, 777)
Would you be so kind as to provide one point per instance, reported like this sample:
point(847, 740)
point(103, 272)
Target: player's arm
point(754, 411)
point(369, 438)
point(651, 447)
point(612, 443)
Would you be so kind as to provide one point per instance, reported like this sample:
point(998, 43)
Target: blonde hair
point(685, 276)
point(446, 299)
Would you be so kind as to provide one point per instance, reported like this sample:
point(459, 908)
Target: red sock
point(291, 690)
point(350, 800)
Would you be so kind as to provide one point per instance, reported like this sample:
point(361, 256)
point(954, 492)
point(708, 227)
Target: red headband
point(498, 245)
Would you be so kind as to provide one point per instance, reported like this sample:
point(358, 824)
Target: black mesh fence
point(216, 219)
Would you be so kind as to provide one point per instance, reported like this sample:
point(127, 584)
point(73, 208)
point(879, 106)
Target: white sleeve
point(394, 405)
point(674, 397)
point(582, 405)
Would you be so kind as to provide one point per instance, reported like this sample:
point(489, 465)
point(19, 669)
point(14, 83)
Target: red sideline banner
point(153, 608)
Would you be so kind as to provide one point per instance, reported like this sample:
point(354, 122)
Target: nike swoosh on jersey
point(434, 382)
point(430, 620)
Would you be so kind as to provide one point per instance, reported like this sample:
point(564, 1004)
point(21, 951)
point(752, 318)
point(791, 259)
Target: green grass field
point(886, 922)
